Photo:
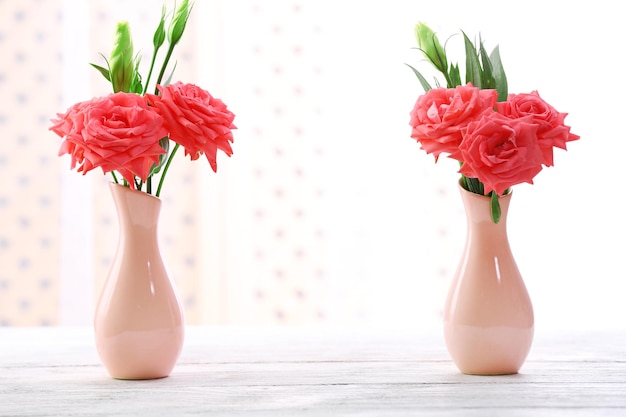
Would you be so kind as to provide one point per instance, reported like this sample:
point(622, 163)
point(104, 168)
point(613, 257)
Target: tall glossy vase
point(488, 315)
point(139, 323)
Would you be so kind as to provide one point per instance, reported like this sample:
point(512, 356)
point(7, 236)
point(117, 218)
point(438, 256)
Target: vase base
point(489, 373)
point(141, 378)
point(496, 350)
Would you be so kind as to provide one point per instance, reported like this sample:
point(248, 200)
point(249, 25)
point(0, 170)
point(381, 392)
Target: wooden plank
point(87, 391)
point(293, 372)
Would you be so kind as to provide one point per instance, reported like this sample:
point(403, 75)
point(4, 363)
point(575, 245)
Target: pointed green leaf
point(487, 74)
point(499, 75)
point(425, 85)
point(103, 71)
point(165, 144)
point(455, 76)
point(473, 71)
point(475, 186)
point(135, 85)
point(168, 80)
point(496, 213)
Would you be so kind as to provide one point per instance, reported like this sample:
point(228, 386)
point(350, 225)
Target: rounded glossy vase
point(139, 324)
point(488, 315)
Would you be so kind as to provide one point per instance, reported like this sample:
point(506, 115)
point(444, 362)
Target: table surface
point(285, 371)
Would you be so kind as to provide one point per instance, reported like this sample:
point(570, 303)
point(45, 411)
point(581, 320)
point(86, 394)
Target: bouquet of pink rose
point(129, 131)
point(499, 139)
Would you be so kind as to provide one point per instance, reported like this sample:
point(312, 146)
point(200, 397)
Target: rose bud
point(121, 64)
point(430, 46)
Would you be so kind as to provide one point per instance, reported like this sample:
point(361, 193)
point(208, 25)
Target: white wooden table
point(283, 371)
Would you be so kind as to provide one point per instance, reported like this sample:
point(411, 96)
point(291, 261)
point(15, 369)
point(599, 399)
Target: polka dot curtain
point(29, 169)
point(327, 212)
point(274, 237)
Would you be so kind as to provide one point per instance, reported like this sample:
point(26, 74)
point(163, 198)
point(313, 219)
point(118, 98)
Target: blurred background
point(327, 213)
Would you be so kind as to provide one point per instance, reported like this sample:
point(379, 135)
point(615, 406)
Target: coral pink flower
point(439, 115)
point(119, 132)
point(500, 152)
point(197, 121)
point(552, 131)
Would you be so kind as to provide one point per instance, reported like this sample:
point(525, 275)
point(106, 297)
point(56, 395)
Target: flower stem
point(114, 177)
point(165, 62)
point(167, 165)
point(145, 87)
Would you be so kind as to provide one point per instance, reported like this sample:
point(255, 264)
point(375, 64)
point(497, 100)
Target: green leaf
point(496, 213)
point(164, 142)
point(455, 76)
point(425, 85)
point(168, 80)
point(165, 168)
point(136, 86)
point(499, 75)
point(464, 182)
point(473, 71)
point(105, 72)
point(487, 74)
point(474, 186)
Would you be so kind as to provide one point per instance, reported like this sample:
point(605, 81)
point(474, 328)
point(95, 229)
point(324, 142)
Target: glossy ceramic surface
point(488, 315)
point(139, 324)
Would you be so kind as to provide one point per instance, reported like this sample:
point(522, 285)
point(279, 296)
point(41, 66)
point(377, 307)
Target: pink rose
point(439, 115)
point(197, 121)
point(119, 132)
point(71, 122)
point(552, 130)
point(500, 152)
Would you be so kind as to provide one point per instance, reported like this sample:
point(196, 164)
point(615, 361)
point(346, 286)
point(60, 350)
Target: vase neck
point(136, 209)
point(482, 232)
point(478, 208)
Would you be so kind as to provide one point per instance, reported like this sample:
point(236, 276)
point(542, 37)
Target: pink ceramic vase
point(139, 324)
point(488, 315)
